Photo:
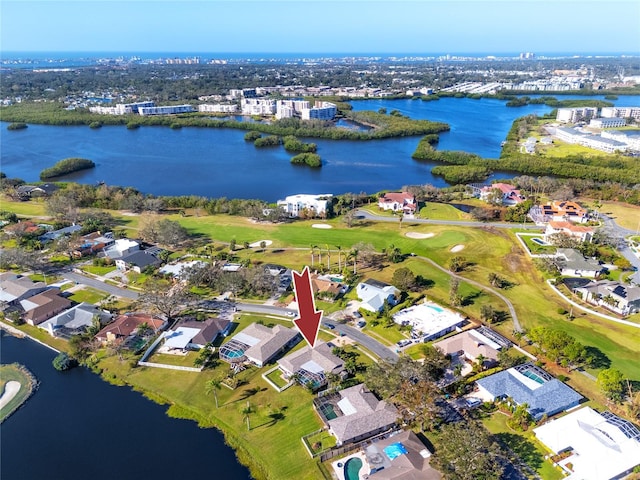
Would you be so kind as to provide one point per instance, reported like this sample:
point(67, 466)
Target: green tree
point(246, 412)
point(62, 362)
point(611, 382)
point(212, 386)
point(404, 279)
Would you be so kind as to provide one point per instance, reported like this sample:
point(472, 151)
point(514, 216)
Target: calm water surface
point(218, 162)
point(78, 427)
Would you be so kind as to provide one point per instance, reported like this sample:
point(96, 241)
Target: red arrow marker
point(308, 321)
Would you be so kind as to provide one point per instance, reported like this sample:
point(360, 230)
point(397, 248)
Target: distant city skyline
point(309, 26)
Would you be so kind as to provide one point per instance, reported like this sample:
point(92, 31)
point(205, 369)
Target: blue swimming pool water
point(437, 309)
point(234, 353)
point(539, 241)
point(352, 468)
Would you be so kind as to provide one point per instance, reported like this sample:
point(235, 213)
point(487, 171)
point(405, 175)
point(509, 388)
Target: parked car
point(361, 323)
point(330, 326)
point(357, 314)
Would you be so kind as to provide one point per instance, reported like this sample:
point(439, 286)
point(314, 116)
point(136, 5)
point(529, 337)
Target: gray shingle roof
point(550, 397)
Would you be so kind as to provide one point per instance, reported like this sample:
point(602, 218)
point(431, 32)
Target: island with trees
point(68, 165)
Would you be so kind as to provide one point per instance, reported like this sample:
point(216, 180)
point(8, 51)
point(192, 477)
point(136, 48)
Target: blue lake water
point(218, 162)
point(78, 427)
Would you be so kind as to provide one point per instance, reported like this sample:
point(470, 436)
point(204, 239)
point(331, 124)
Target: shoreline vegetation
point(68, 165)
point(15, 372)
point(384, 126)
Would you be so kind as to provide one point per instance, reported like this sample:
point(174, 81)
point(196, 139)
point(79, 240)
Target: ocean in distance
point(219, 163)
point(76, 427)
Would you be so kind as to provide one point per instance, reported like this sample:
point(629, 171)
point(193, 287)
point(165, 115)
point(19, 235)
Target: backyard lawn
point(89, 295)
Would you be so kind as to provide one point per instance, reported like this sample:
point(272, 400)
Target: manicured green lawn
point(276, 377)
point(179, 360)
point(96, 270)
point(89, 295)
point(320, 441)
point(32, 208)
point(442, 211)
point(523, 444)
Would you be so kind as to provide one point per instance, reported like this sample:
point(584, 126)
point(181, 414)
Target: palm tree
point(354, 254)
point(246, 411)
point(481, 359)
point(328, 257)
point(212, 386)
point(313, 251)
point(339, 257)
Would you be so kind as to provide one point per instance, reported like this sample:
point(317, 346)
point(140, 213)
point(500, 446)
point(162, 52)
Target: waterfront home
point(543, 394)
point(618, 297)
point(76, 320)
point(311, 365)
point(258, 344)
point(398, 202)
point(14, 288)
point(571, 263)
point(127, 325)
point(201, 332)
point(25, 192)
point(355, 413)
point(43, 306)
point(306, 206)
point(578, 232)
point(373, 295)
point(593, 445)
point(401, 456)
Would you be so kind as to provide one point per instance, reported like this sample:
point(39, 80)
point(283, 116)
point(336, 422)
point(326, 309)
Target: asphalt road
point(98, 285)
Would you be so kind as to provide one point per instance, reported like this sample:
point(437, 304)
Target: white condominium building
point(573, 115)
point(165, 110)
point(321, 111)
point(258, 106)
point(306, 205)
point(218, 108)
point(607, 122)
point(290, 108)
point(621, 112)
point(121, 108)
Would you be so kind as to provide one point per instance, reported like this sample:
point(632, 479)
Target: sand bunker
point(321, 225)
point(457, 248)
point(257, 244)
point(10, 391)
point(418, 236)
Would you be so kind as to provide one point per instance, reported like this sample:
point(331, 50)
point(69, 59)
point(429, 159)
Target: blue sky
point(347, 26)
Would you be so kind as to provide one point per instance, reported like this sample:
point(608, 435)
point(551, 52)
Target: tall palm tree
point(354, 255)
point(313, 251)
point(212, 386)
point(246, 411)
point(481, 359)
point(339, 257)
point(328, 257)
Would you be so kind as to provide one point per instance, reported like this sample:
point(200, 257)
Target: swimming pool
point(539, 241)
point(352, 468)
point(328, 411)
point(435, 308)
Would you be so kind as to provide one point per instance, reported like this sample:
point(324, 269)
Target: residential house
point(258, 344)
point(62, 232)
point(93, 243)
point(374, 294)
point(202, 332)
point(179, 270)
point(311, 365)
point(283, 274)
point(14, 288)
point(616, 296)
point(306, 206)
point(401, 456)
point(429, 320)
point(469, 345)
point(43, 306)
point(121, 247)
point(354, 414)
point(501, 193)
point(564, 210)
point(137, 261)
point(25, 228)
point(127, 325)
point(75, 321)
point(578, 232)
point(570, 262)
point(28, 191)
point(326, 288)
point(597, 446)
point(398, 202)
point(544, 394)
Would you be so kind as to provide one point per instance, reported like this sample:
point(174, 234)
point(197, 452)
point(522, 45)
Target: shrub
point(17, 126)
point(62, 362)
point(175, 126)
point(133, 125)
point(270, 141)
point(95, 125)
point(310, 159)
point(252, 136)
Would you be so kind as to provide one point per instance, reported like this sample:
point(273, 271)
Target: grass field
point(17, 373)
point(523, 444)
point(89, 295)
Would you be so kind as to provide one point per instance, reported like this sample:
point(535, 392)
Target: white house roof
point(604, 446)
point(181, 337)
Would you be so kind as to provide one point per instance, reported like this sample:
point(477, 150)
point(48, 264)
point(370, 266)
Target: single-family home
point(75, 320)
point(469, 345)
point(527, 383)
point(43, 306)
point(401, 456)
point(306, 206)
point(121, 247)
point(570, 262)
point(560, 211)
point(616, 296)
point(203, 332)
point(500, 193)
point(579, 232)
point(355, 413)
point(311, 365)
point(282, 274)
point(180, 269)
point(93, 243)
point(137, 261)
point(28, 191)
point(326, 288)
point(127, 325)
point(61, 232)
point(429, 320)
point(398, 202)
point(597, 446)
point(14, 288)
point(258, 344)
point(373, 295)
